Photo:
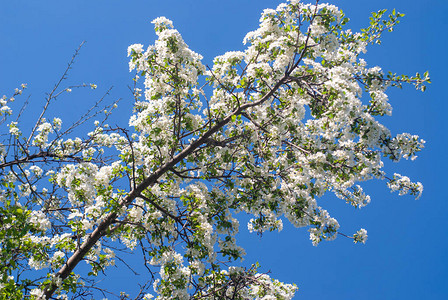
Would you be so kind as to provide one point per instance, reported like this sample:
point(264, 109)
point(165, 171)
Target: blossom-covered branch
point(266, 131)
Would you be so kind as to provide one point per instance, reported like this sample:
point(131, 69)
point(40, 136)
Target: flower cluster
point(404, 186)
point(360, 236)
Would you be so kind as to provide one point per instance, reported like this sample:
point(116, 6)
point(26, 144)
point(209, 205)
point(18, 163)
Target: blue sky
point(406, 256)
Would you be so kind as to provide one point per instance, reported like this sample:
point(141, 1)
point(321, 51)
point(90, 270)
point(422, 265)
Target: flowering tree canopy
point(266, 132)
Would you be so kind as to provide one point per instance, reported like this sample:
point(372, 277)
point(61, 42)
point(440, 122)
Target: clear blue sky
point(406, 256)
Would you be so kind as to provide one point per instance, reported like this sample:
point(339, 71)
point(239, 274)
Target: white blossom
point(360, 236)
